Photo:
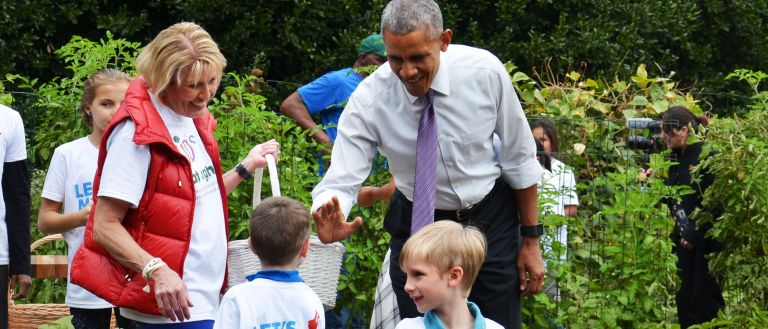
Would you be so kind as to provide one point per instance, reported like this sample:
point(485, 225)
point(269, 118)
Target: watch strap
point(242, 171)
point(532, 230)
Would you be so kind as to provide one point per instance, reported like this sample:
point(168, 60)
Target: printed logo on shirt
point(277, 325)
point(204, 175)
point(186, 146)
point(314, 322)
point(83, 193)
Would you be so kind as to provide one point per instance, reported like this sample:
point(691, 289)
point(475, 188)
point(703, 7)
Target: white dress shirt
point(474, 99)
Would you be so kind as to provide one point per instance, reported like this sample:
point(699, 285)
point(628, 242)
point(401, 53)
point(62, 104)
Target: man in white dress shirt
point(473, 99)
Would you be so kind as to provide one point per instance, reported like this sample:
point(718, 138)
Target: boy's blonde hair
point(279, 228)
point(98, 79)
point(445, 244)
point(180, 47)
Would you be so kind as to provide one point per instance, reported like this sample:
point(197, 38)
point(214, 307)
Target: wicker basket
point(321, 268)
point(31, 316)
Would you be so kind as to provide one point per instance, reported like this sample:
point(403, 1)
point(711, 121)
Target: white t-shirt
point(70, 181)
point(266, 303)
point(124, 177)
point(13, 148)
point(560, 186)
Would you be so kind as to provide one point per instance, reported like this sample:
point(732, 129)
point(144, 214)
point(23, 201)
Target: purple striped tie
point(425, 181)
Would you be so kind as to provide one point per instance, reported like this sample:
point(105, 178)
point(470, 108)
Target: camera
point(644, 123)
point(649, 142)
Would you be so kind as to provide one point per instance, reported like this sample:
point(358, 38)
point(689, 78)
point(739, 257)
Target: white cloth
point(386, 313)
point(264, 303)
point(13, 148)
point(474, 98)
point(560, 186)
point(124, 177)
point(70, 181)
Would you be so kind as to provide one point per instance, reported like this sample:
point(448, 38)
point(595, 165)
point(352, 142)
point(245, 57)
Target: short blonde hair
point(182, 46)
point(445, 244)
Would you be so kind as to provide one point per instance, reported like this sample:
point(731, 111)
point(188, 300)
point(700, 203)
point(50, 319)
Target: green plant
point(753, 79)
point(57, 104)
point(63, 323)
point(753, 317)
point(5, 99)
point(739, 187)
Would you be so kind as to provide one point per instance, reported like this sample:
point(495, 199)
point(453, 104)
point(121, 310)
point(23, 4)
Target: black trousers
point(496, 289)
point(4, 296)
point(699, 297)
point(84, 318)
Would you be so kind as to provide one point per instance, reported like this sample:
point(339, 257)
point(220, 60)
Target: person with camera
point(699, 297)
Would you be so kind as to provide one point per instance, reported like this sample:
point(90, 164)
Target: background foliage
point(740, 187)
point(295, 40)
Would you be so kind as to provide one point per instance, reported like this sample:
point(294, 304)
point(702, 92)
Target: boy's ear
point(304, 249)
point(455, 276)
point(250, 246)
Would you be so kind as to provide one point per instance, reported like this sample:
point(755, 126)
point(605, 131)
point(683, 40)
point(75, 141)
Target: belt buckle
point(458, 212)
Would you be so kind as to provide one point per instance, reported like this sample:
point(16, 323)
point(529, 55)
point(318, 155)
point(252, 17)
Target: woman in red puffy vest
point(156, 244)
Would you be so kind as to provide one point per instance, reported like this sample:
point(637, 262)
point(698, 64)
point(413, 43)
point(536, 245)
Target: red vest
point(162, 224)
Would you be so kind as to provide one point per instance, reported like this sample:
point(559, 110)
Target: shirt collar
point(441, 84)
point(432, 321)
point(276, 275)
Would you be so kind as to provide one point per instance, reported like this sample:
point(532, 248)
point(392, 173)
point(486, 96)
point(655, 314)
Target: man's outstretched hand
point(331, 223)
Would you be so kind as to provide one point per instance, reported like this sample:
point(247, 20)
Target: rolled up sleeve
point(517, 154)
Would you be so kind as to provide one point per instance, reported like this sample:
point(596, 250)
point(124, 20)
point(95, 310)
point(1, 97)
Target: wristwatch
point(532, 231)
point(242, 171)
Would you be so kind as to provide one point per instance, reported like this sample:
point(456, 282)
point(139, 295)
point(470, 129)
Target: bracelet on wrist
point(153, 265)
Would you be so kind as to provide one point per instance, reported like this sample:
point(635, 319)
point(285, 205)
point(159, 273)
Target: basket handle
point(46, 239)
point(273, 180)
point(40, 242)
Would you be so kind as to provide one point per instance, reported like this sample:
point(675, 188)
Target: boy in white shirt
point(441, 262)
point(276, 296)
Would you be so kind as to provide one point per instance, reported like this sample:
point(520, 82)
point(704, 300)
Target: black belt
point(460, 215)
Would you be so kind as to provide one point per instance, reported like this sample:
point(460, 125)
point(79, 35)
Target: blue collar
point(432, 321)
point(276, 275)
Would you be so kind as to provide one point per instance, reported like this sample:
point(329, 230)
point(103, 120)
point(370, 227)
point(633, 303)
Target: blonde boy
point(276, 296)
point(441, 262)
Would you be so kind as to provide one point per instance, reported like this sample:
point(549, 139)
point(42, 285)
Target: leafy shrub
point(297, 40)
point(739, 168)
